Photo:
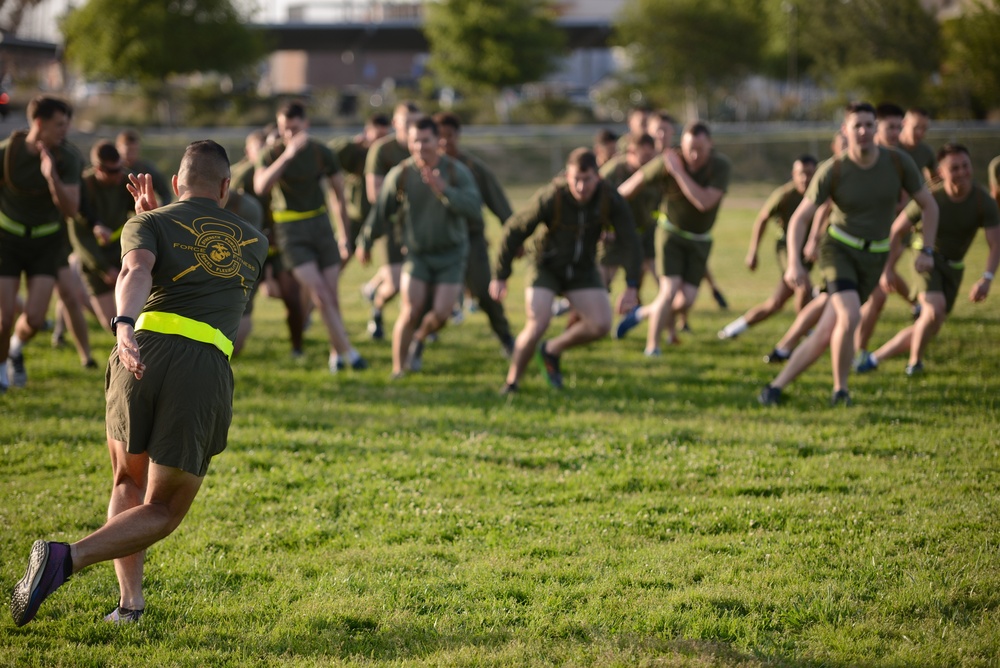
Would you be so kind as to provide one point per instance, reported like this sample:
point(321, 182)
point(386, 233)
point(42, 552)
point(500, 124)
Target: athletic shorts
point(845, 268)
point(677, 256)
point(32, 257)
point(444, 268)
point(309, 240)
point(179, 413)
point(613, 254)
point(94, 280)
point(942, 278)
point(781, 251)
point(561, 280)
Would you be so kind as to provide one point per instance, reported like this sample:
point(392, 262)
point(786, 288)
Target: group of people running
point(637, 202)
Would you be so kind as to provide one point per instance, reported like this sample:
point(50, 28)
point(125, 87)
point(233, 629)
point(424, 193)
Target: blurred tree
point(487, 46)
point(971, 67)
point(688, 47)
point(148, 42)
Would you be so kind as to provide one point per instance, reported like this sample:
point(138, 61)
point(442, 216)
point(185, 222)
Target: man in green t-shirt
point(382, 156)
point(290, 172)
point(864, 185)
point(965, 207)
point(129, 145)
point(779, 207)
point(39, 190)
point(352, 152)
point(575, 211)
point(916, 123)
point(432, 195)
point(694, 180)
point(187, 271)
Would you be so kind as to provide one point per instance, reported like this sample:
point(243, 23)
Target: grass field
point(651, 514)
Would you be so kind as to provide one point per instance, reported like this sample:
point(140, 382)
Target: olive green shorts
point(561, 280)
point(781, 250)
point(612, 254)
point(677, 256)
point(179, 412)
point(442, 268)
point(94, 280)
point(942, 278)
point(33, 257)
point(309, 240)
point(845, 268)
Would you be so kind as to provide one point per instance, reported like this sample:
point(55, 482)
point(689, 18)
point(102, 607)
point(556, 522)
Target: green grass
point(650, 514)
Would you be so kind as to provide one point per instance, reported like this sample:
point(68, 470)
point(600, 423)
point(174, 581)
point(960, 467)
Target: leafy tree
point(880, 49)
point(487, 46)
point(148, 42)
point(971, 68)
point(679, 46)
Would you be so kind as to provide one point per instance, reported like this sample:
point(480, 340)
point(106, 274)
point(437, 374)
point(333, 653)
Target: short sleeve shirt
point(865, 200)
point(782, 203)
point(958, 222)
point(385, 154)
point(299, 188)
point(352, 155)
point(923, 155)
point(24, 196)
point(207, 260)
point(679, 209)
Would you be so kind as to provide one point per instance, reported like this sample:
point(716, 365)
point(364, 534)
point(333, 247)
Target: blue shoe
point(375, 327)
point(550, 367)
point(46, 571)
point(769, 396)
point(865, 362)
point(914, 369)
point(841, 398)
point(415, 357)
point(629, 322)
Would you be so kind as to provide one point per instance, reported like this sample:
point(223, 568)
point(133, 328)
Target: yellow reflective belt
point(879, 246)
point(665, 223)
point(21, 230)
point(171, 323)
point(292, 216)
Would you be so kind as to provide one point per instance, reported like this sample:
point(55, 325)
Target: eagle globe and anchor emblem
point(217, 247)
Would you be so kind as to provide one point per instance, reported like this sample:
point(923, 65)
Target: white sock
point(16, 346)
point(737, 326)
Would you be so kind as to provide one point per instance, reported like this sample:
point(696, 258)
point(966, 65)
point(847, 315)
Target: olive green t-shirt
point(431, 224)
point(923, 156)
point(207, 260)
point(490, 190)
point(865, 200)
point(679, 209)
point(299, 188)
point(958, 222)
point(782, 203)
point(385, 154)
point(352, 154)
point(644, 203)
point(107, 205)
point(24, 194)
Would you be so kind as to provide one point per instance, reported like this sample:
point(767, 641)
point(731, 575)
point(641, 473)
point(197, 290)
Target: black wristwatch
point(927, 250)
point(121, 318)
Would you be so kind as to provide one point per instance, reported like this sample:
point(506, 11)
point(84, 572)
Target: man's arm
point(338, 204)
point(131, 292)
point(704, 198)
point(65, 197)
point(377, 222)
point(796, 274)
point(900, 227)
point(756, 234)
point(264, 178)
point(929, 216)
point(982, 287)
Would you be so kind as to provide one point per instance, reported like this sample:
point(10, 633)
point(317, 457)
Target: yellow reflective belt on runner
point(171, 323)
point(665, 223)
point(879, 246)
point(21, 230)
point(292, 216)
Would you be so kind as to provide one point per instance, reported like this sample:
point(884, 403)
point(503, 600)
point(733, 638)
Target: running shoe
point(914, 369)
point(124, 616)
point(720, 300)
point(841, 398)
point(375, 327)
point(368, 292)
point(508, 389)
point(550, 367)
point(865, 362)
point(457, 315)
point(15, 369)
point(769, 396)
point(507, 343)
point(47, 570)
point(628, 323)
point(655, 352)
point(776, 357)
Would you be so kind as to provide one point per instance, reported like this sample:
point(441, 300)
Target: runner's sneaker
point(508, 389)
point(124, 616)
point(776, 357)
point(550, 367)
point(866, 362)
point(629, 322)
point(359, 364)
point(375, 327)
point(841, 397)
point(655, 352)
point(914, 369)
point(507, 343)
point(720, 300)
point(415, 357)
point(769, 396)
point(15, 368)
point(368, 292)
point(48, 567)
point(915, 311)
point(457, 315)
